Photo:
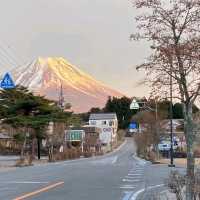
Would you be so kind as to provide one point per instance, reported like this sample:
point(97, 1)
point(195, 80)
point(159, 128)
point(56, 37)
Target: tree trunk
point(23, 148)
point(33, 148)
point(50, 152)
point(38, 149)
point(189, 133)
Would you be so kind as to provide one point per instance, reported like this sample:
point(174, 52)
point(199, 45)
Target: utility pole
point(171, 124)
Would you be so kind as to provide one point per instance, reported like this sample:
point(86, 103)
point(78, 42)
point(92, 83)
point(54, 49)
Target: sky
point(91, 34)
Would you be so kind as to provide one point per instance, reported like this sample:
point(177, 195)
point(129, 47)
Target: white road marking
point(138, 167)
point(115, 160)
point(164, 191)
point(136, 194)
point(26, 182)
point(136, 170)
point(1, 189)
point(131, 177)
point(135, 174)
point(140, 162)
point(106, 160)
point(127, 187)
point(155, 186)
point(129, 180)
point(127, 195)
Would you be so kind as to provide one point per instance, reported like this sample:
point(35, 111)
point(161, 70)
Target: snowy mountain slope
point(45, 76)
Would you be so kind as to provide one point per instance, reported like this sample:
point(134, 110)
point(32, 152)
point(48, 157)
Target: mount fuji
point(45, 76)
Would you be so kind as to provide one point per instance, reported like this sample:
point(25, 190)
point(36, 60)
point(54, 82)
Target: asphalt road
point(116, 176)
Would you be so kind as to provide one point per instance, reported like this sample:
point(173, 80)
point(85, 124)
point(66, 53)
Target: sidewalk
point(166, 195)
point(182, 162)
point(10, 161)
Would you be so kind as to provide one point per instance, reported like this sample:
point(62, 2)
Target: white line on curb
point(127, 196)
point(136, 194)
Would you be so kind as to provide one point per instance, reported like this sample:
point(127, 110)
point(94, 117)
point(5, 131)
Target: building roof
point(90, 129)
point(102, 116)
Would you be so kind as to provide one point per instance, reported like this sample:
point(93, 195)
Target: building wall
point(108, 129)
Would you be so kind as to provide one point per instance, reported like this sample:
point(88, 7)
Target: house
point(91, 141)
point(177, 126)
point(108, 124)
point(91, 135)
point(8, 144)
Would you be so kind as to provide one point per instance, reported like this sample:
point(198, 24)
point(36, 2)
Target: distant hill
point(45, 76)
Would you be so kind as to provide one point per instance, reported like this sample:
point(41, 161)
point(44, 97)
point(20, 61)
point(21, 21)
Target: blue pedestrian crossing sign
point(7, 82)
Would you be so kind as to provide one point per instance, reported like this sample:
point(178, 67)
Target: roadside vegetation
point(172, 31)
point(27, 118)
point(36, 127)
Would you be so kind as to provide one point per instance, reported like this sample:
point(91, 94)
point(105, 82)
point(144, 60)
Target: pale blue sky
point(92, 34)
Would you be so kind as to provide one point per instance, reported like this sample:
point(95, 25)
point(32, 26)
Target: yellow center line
point(39, 191)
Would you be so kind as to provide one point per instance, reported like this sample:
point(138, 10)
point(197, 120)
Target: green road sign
point(75, 135)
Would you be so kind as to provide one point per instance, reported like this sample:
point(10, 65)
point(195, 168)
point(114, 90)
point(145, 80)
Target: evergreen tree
point(29, 113)
point(121, 106)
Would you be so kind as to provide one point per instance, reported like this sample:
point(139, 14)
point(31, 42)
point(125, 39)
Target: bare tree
point(172, 29)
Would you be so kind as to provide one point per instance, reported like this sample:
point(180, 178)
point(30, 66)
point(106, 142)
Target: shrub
point(197, 153)
point(152, 156)
point(25, 161)
point(176, 183)
point(72, 153)
point(87, 154)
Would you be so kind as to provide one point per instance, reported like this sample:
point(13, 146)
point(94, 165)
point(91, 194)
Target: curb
point(136, 194)
point(83, 159)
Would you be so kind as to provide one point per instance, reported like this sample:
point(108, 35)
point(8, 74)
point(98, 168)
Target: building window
point(111, 123)
point(103, 122)
point(93, 122)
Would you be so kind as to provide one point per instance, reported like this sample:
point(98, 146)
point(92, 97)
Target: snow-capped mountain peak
point(45, 76)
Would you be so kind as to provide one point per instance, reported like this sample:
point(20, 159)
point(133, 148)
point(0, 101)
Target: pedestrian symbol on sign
point(7, 82)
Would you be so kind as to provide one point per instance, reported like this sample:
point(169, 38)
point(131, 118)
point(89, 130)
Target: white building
point(108, 124)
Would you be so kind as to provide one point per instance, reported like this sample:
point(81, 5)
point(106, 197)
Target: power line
point(12, 49)
point(8, 55)
point(2, 63)
point(6, 60)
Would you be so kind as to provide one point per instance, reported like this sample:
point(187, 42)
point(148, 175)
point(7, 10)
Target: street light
point(171, 124)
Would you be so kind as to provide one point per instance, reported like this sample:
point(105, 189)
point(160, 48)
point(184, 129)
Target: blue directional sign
point(133, 125)
point(7, 82)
